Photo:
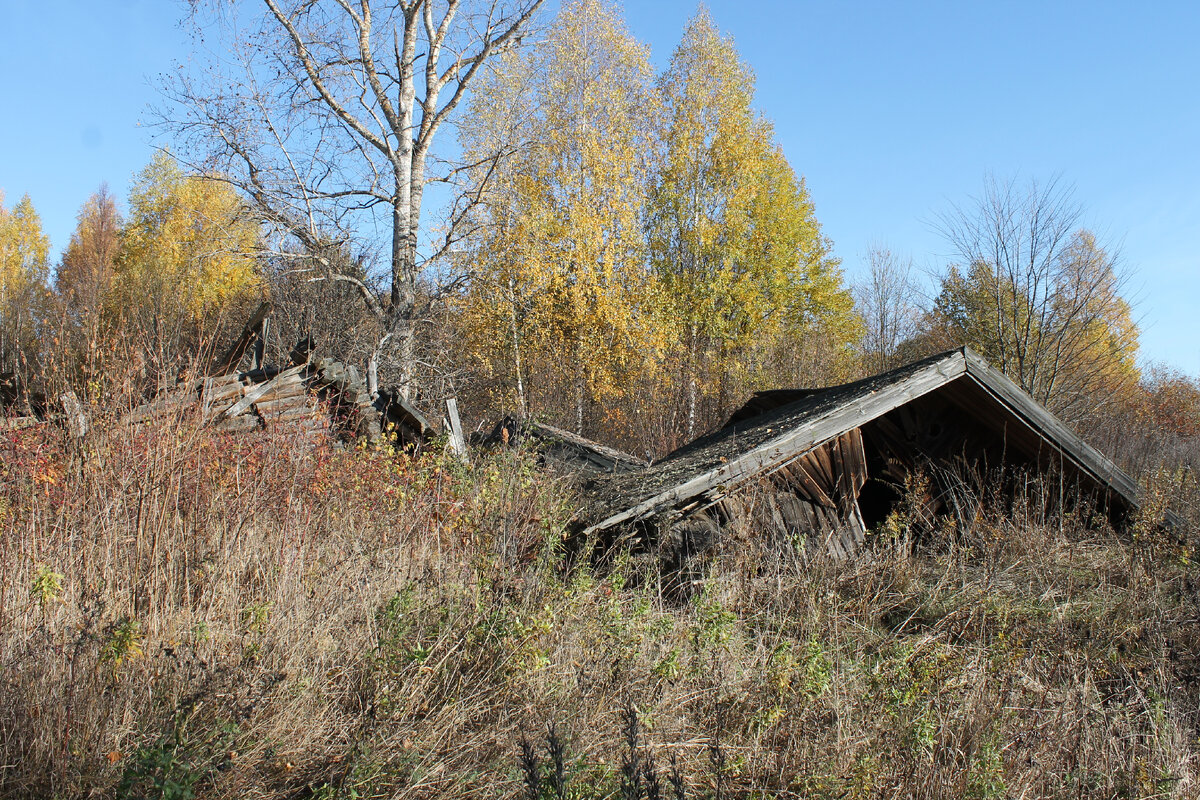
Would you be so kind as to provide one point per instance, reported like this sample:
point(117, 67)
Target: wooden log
point(285, 416)
point(77, 421)
point(283, 393)
point(254, 393)
point(215, 398)
point(226, 391)
point(217, 409)
point(279, 405)
point(161, 406)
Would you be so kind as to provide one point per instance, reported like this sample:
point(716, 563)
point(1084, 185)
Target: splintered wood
point(811, 498)
point(816, 495)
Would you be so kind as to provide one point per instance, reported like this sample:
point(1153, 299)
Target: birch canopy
point(733, 234)
point(562, 264)
point(325, 118)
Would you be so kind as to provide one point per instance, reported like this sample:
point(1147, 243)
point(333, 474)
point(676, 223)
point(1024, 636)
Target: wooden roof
point(711, 466)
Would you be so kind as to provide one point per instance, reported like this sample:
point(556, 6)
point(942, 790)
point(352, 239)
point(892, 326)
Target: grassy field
point(188, 615)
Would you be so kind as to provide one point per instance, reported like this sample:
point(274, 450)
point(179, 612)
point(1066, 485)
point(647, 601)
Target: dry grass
point(183, 615)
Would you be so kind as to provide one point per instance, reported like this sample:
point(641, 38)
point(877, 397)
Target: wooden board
point(282, 405)
point(255, 392)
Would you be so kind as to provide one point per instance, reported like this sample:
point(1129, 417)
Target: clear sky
point(892, 111)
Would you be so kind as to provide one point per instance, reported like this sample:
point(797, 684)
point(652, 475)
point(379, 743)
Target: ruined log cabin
point(827, 466)
point(311, 397)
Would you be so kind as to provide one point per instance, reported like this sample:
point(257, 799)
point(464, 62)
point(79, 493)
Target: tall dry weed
point(184, 614)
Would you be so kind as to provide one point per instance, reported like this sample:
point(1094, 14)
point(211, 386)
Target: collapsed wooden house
point(829, 465)
point(310, 397)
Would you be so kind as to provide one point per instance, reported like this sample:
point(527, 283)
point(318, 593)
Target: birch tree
point(562, 255)
point(324, 115)
point(188, 253)
point(24, 267)
point(732, 231)
point(888, 302)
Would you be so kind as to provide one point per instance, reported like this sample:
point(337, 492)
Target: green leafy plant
point(46, 587)
point(124, 643)
point(175, 765)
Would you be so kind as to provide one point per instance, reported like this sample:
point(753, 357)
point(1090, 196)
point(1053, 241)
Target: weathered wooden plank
point(288, 415)
point(206, 391)
point(160, 406)
point(841, 467)
point(792, 508)
point(851, 464)
point(825, 472)
point(253, 393)
point(414, 417)
point(282, 404)
point(798, 472)
point(777, 520)
point(833, 543)
point(453, 426)
point(220, 392)
point(250, 331)
point(283, 393)
point(260, 344)
point(215, 410)
point(332, 373)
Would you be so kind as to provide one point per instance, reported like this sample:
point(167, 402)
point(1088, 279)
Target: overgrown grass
point(188, 615)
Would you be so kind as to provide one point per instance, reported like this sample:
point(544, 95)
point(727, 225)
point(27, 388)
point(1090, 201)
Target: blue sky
point(892, 111)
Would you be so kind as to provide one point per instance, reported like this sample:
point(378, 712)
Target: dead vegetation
point(185, 613)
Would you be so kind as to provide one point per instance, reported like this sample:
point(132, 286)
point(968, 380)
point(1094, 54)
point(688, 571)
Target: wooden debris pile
point(311, 397)
point(561, 451)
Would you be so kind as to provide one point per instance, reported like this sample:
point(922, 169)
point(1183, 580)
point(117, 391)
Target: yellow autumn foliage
point(187, 250)
point(561, 266)
point(24, 265)
point(734, 239)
